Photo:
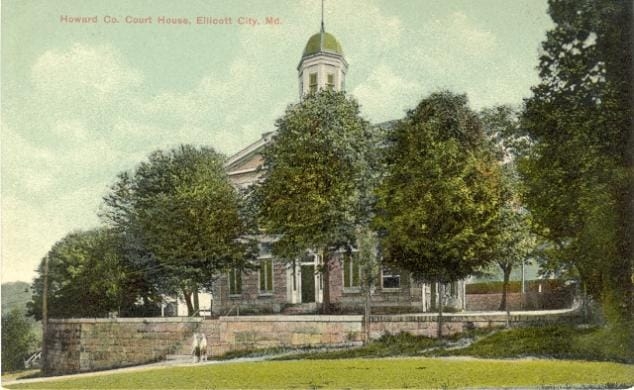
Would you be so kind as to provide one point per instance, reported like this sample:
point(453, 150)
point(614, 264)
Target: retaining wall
point(96, 344)
point(258, 332)
point(79, 345)
point(452, 323)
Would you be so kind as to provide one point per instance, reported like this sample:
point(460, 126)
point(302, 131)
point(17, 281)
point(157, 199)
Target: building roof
point(315, 45)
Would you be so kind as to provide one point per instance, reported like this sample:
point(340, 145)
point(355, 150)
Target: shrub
point(18, 341)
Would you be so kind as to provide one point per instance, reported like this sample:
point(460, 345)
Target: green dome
point(330, 45)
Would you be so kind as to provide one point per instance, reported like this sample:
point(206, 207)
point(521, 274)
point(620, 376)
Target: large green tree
point(146, 273)
point(439, 202)
point(315, 189)
point(86, 277)
point(578, 171)
point(181, 217)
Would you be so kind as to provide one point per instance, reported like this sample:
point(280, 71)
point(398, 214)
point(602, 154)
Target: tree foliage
point(315, 190)
point(501, 125)
point(86, 277)
point(578, 170)
point(181, 217)
point(438, 204)
point(18, 340)
point(516, 241)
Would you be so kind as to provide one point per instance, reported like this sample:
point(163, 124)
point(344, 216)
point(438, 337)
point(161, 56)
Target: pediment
point(245, 167)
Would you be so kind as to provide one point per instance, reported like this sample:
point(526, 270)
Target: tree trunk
point(433, 297)
point(187, 295)
point(196, 303)
point(586, 314)
point(505, 285)
point(366, 313)
point(441, 295)
point(326, 278)
point(44, 318)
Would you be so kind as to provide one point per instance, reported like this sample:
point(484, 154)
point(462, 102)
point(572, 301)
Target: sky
point(82, 102)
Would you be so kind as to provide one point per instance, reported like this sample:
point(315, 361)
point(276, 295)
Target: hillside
point(15, 294)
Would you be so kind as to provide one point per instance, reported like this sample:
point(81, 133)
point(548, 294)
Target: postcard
point(92, 90)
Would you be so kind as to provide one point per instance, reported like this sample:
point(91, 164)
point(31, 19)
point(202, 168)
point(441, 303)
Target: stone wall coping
point(476, 316)
point(418, 317)
point(294, 318)
point(126, 319)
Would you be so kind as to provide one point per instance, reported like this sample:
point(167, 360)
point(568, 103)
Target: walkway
point(179, 361)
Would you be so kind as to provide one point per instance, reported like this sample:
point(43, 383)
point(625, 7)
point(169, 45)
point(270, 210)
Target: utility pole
point(523, 289)
point(45, 316)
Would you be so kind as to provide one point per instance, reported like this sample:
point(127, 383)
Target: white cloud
point(452, 50)
point(85, 70)
point(73, 131)
point(29, 230)
point(368, 34)
point(24, 165)
point(377, 94)
point(466, 35)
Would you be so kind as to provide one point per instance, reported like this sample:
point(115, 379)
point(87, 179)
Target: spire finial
point(321, 35)
point(322, 16)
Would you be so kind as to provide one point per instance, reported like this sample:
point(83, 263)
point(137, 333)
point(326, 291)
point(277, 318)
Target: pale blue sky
point(82, 102)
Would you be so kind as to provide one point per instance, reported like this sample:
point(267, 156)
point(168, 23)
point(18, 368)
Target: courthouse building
point(297, 286)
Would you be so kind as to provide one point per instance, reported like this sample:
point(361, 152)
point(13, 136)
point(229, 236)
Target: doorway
point(308, 283)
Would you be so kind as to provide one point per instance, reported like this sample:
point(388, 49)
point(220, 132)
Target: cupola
point(322, 65)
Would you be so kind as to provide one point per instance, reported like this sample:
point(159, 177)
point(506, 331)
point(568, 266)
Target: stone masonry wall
point(78, 345)
point(259, 332)
point(427, 324)
point(64, 347)
point(96, 344)
point(532, 301)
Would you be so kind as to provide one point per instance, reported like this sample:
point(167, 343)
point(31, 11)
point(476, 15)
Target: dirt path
point(184, 362)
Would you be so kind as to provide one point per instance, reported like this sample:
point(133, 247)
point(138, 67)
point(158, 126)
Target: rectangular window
point(235, 282)
point(391, 277)
point(266, 276)
point(312, 82)
point(266, 249)
point(351, 276)
point(330, 84)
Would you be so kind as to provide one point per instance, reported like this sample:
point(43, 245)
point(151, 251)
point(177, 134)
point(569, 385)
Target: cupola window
point(312, 82)
point(330, 82)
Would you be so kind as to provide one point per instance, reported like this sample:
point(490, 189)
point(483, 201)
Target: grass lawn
point(559, 341)
point(360, 373)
